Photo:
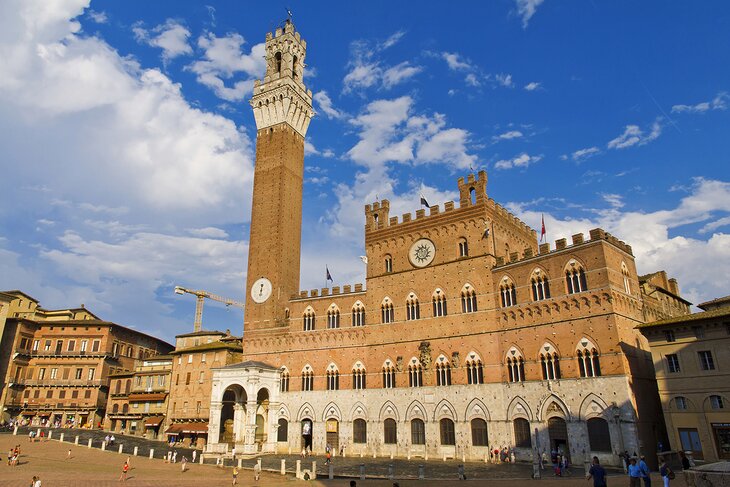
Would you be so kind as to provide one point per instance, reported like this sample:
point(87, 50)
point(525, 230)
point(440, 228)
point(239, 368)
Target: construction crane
point(200, 296)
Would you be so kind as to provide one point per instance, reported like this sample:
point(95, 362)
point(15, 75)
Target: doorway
point(333, 434)
point(558, 431)
point(307, 434)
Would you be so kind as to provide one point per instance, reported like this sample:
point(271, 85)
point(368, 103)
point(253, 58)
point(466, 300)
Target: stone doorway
point(233, 396)
point(558, 431)
point(307, 430)
point(333, 434)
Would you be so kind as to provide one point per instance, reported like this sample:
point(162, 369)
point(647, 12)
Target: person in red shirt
point(125, 469)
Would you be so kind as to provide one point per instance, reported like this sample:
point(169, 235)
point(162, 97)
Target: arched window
point(358, 376)
point(540, 285)
point(515, 366)
point(413, 308)
point(443, 371)
point(415, 373)
point(282, 433)
point(523, 439)
point(359, 431)
point(386, 311)
point(716, 402)
point(294, 68)
point(358, 314)
point(388, 264)
point(125, 408)
point(117, 387)
point(418, 432)
point(439, 303)
point(388, 375)
point(549, 362)
point(447, 432)
point(309, 318)
point(468, 299)
point(588, 359)
point(333, 317)
point(115, 408)
point(627, 278)
point(277, 62)
point(463, 248)
point(474, 369)
point(390, 432)
point(284, 384)
point(681, 403)
point(479, 435)
point(128, 386)
point(599, 438)
point(307, 378)
point(507, 292)
point(575, 277)
point(333, 378)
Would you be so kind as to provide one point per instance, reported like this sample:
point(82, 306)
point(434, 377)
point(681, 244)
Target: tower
point(282, 107)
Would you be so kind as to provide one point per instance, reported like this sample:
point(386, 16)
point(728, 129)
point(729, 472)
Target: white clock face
point(261, 290)
point(422, 253)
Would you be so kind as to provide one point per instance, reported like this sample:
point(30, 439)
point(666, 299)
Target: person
point(329, 458)
point(184, 463)
point(634, 473)
point(11, 452)
point(645, 472)
point(174, 456)
point(32, 482)
point(37, 482)
point(125, 469)
point(233, 452)
point(685, 461)
point(256, 471)
point(68, 455)
point(597, 473)
point(112, 439)
point(665, 472)
point(564, 467)
point(543, 460)
point(195, 455)
point(235, 475)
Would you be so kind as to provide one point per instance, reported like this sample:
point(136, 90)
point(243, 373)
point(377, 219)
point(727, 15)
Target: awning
point(27, 413)
point(153, 421)
point(44, 414)
point(147, 397)
point(189, 428)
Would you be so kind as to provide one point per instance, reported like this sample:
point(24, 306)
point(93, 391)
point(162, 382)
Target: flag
point(329, 276)
point(364, 259)
point(424, 202)
point(542, 231)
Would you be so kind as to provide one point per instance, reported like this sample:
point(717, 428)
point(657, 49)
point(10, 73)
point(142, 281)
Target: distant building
point(56, 363)
point(691, 357)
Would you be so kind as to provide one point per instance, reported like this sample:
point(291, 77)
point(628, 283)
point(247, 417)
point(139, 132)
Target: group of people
point(109, 440)
point(33, 436)
point(561, 464)
point(13, 456)
point(503, 455)
point(638, 472)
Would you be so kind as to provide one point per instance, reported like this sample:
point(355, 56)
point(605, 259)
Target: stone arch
point(306, 411)
point(359, 411)
point(707, 405)
point(593, 407)
point(241, 396)
point(553, 406)
point(476, 409)
point(548, 347)
point(332, 367)
point(518, 408)
point(331, 411)
point(388, 410)
point(444, 409)
point(283, 412)
point(587, 343)
point(514, 352)
point(416, 410)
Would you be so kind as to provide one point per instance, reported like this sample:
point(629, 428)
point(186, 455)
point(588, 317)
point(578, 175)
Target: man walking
point(597, 473)
point(634, 473)
point(195, 455)
point(645, 472)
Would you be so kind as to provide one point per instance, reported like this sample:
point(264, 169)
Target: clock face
point(261, 290)
point(422, 253)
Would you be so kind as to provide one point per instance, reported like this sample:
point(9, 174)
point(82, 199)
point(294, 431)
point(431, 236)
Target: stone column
point(249, 445)
point(214, 422)
point(270, 445)
point(239, 426)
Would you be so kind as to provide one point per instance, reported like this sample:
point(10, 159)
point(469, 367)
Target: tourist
point(543, 460)
point(112, 439)
point(233, 452)
point(10, 456)
point(125, 469)
point(634, 473)
point(645, 472)
point(666, 472)
point(597, 473)
point(235, 475)
point(184, 463)
point(564, 467)
point(174, 456)
point(68, 455)
point(685, 461)
point(328, 459)
point(195, 455)
point(257, 471)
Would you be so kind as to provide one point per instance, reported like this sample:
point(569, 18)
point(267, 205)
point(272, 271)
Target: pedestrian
point(565, 465)
point(233, 452)
point(328, 458)
point(634, 473)
point(235, 475)
point(174, 456)
point(257, 471)
point(543, 460)
point(11, 452)
point(666, 472)
point(645, 472)
point(37, 482)
point(597, 473)
point(195, 455)
point(184, 463)
point(685, 461)
point(68, 455)
point(125, 469)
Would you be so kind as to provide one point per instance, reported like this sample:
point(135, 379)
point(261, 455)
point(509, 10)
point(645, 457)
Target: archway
point(558, 431)
point(307, 431)
point(262, 416)
point(232, 396)
point(333, 434)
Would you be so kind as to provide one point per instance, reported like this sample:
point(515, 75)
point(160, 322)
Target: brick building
point(468, 334)
point(56, 363)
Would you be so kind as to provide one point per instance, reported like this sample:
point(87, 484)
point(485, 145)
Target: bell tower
point(282, 108)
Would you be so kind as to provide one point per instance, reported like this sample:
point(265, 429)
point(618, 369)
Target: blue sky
point(126, 138)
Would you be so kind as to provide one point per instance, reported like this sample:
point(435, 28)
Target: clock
point(261, 290)
point(422, 252)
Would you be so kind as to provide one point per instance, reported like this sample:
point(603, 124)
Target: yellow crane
point(201, 296)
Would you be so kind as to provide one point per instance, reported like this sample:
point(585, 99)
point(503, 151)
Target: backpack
point(671, 474)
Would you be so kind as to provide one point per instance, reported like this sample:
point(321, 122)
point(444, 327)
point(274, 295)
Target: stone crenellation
point(325, 291)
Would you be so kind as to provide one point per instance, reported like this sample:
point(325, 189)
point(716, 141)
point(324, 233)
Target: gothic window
point(418, 432)
point(627, 278)
point(522, 433)
point(413, 308)
point(447, 432)
point(443, 371)
point(540, 285)
point(468, 299)
point(308, 319)
point(358, 314)
point(439, 303)
point(415, 373)
point(282, 433)
point(307, 378)
point(360, 431)
point(549, 362)
point(284, 384)
point(588, 359)
point(515, 366)
point(277, 62)
point(474, 369)
point(333, 317)
point(333, 378)
point(386, 311)
point(507, 292)
point(388, 375)
point(479, 435)
point(463, 248)
point(390, 431)
point(294, 68)
point(599, 438)
point(358, 376)
point(575, 277)
point(388, 264)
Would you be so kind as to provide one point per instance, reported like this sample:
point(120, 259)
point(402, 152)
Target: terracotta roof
point(722, 300)
point(704, 315)
point(201, 332)
point(154, 420)
point(217, 345)
point(187, 428)
point(252, 364)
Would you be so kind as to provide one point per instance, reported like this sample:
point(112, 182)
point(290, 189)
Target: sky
point(127, 140)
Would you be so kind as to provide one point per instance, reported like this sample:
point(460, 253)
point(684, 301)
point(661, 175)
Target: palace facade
point(468, 335)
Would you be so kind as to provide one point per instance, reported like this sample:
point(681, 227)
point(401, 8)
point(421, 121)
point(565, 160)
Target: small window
point(673, 363)
point(699, 332)
point(388, 376)
point(418, 432)
point(446, 427)
point(92, 371)
point(599, 437)
point(190, 358)
point(479, 432)
point(390, 430)
point(284, 384)
point(309, 319)
point(277, 62)
point(575, 278)
point(522, 433)
point(187, 379)
point(388, 264)
point(386, 312)
point(669, 336)
point(680, 403)
point(358, 377)
point(333, 318)
point(508, 293)
point(716, 402)
point(443, 374)
point(79, 374)
point(333, 380)
point(358, 314)
point(415, 374)
point(439, 303)
point(463, 248)
point(360, 431)
point(308, 381)
point(413, 308)
point(706, 360)
point(468, 300)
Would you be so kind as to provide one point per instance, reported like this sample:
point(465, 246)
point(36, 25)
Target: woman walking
point(666, 472)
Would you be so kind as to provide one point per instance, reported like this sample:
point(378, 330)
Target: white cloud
point(509, 135)
point(311, 150)
point(526, 9)
point(392, 40)
point(613, 199)
point(532, 86)
point(504, 80)
point(223, 59)
point(634, 135)
point(99, 17)
point(366, 70)
point(399, 73)
point(208, 232)
point(171, 37)
point(455, 61)
point(325, 105)
point(583, 154)
point(472, 80)
point(717, 103)
point(521, 160)
point(362, 76)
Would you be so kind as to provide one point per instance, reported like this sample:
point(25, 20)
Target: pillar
point(283, 466)
point(249, 445)
point(152, 452)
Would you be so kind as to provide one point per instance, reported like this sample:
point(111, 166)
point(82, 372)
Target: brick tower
point(282, 107)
